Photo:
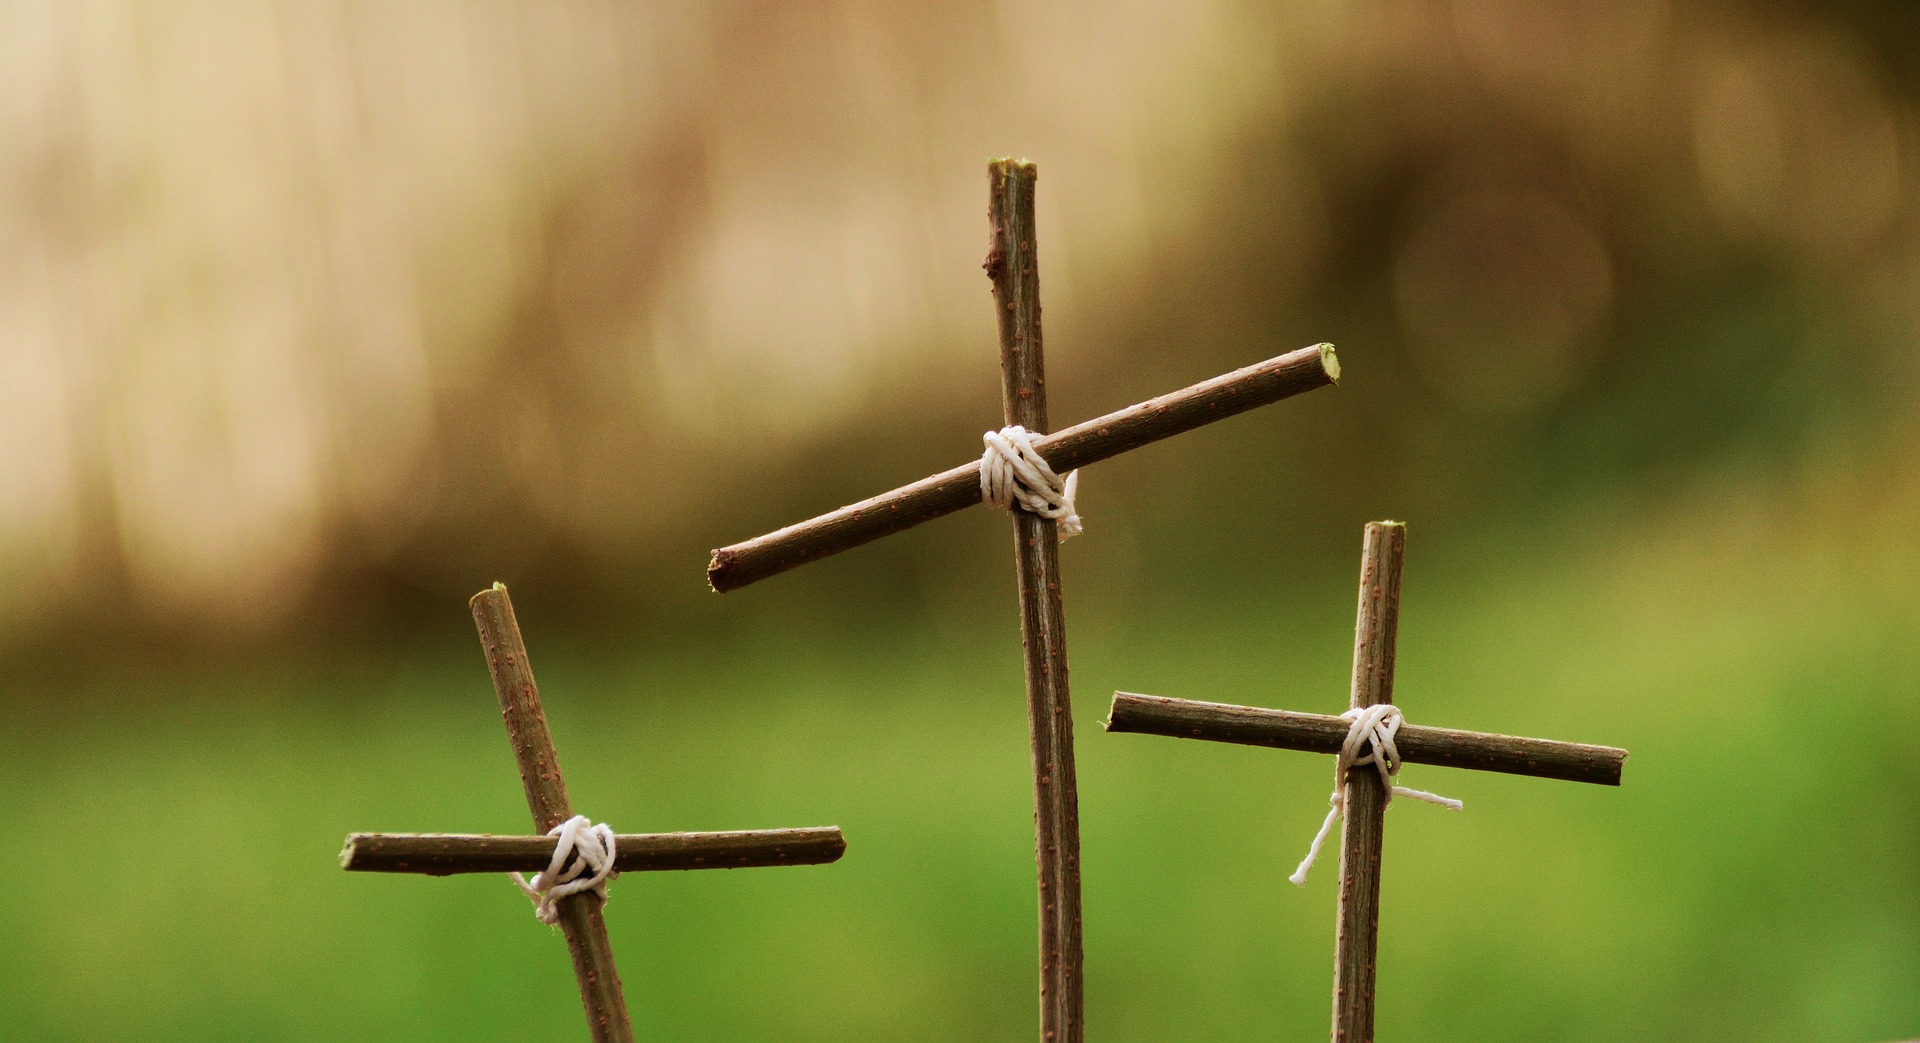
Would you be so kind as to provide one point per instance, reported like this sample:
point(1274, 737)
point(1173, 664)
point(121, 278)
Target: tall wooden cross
point(1363, 794)
point(442, 854)
point(1013, 265)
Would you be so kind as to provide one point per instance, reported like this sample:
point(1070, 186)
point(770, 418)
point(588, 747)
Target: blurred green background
point(315, 318)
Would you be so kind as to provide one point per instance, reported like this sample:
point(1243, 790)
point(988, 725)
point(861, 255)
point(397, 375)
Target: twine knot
point(582, 861)
point(1012, 472)
point(1372, 727)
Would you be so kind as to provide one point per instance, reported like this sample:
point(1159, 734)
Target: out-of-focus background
point(315, 318)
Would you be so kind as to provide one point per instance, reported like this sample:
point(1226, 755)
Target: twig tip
point(1329, 361)
point(716, 567)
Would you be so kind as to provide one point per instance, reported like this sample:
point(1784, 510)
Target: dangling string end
point(1299, 877)
point(1371, 727)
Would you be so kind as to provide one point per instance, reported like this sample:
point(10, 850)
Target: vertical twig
point(580, 917)
point(1013, 265)
point(1356, 940)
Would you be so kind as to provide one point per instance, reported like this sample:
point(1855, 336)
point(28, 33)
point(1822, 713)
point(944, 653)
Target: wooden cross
point(441, 854)
point(1013, 265)
point(1365, 799)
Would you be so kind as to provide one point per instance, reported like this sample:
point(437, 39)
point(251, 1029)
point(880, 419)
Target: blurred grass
point(173, 871)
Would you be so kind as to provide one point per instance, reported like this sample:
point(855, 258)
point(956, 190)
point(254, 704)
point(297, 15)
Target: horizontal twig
point(443, 854)
point(1319, 733)
point(1291, 374)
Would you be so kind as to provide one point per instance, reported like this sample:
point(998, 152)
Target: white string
point(1013, 472)
point(582, 861)
point(1374, 727)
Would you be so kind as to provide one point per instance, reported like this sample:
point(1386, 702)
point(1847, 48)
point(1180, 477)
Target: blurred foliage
point(1752, 880)
point(322, 316)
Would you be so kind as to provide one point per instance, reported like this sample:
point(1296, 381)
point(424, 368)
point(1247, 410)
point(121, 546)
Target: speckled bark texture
point(444, 854)
point(1324, 733)
point(1098, 439)
point(1013, 265)
point(1357, 935)
point(580, 917)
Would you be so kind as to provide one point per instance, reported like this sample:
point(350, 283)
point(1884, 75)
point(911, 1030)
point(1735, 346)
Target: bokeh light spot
point(1500, 294)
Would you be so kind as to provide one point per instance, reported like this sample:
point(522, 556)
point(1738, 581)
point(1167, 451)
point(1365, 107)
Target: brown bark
point(1013, 265)
point(1098, 439)
point(1323, 733)
point(443, 854)
point(580, 918)
point(1356, 939)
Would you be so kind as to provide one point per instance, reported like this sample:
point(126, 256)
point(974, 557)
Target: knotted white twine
point(1013, 472)
point(582, 861)
point(1374, 727)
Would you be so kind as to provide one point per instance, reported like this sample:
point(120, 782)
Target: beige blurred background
point(376, 295)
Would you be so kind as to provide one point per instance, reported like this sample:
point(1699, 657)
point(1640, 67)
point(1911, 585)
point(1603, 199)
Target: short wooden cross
point(1364, 796)
point(441, 854)
point(1013, 265)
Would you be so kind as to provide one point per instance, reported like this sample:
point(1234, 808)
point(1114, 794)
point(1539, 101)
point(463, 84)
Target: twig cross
point(1013, 265)
point(441, 854)
point(1356, 938)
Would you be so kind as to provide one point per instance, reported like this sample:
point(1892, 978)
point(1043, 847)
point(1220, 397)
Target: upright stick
point(1357, 937)
point(580, 917)
point(1013, 265)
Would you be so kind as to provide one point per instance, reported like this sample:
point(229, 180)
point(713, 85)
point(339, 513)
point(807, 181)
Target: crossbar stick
point(1361, 791)
point(580, 918)
point(1229, 395)
point(443, 854)
point(1321, 733)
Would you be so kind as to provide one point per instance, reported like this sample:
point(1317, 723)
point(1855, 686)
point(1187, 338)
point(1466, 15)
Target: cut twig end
point(1329, 362)
point(1619, 768)
point(497, 588)
point(347, 852)
point(717, 572)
